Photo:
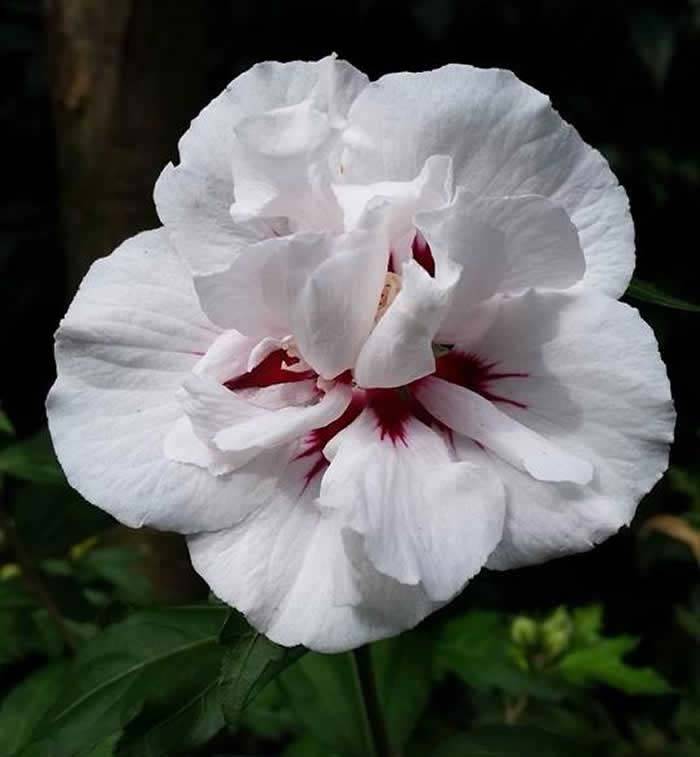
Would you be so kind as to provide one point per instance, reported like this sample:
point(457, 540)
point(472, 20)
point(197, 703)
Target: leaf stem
point(374, 716)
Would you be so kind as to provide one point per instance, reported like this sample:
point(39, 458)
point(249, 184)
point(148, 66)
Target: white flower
point(375, 347)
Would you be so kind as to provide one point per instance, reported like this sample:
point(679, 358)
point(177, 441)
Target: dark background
point(97, 94)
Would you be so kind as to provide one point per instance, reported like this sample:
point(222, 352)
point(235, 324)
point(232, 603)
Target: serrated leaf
point(647, 292)
point(403, 669)
point(603, 663)
point(32, 460)
point(26, 706)
point(509, 741)
point(143, 667)
point(250, 663)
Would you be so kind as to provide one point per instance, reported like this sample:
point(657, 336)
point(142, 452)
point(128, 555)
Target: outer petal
point(423, 517)
point(193, 198)
point(132, 333)
point(400, 348)
point(597, 388)
point(287, 569)
point(323, 289)
point(505, 139)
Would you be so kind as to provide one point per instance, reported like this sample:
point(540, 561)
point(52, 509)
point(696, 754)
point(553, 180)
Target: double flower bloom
point(375, 346)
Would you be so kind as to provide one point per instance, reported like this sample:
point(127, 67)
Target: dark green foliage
point(251, 662)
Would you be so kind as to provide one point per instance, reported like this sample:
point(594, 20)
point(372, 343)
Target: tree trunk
point(127, 76)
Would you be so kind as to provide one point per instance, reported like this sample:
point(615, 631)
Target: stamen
point(391, 289)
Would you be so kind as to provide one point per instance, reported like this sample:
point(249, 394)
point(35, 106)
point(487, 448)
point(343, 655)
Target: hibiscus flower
point(375, 347)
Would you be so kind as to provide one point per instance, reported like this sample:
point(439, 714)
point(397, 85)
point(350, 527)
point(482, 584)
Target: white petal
point(597, 388)
point(430, 189)
point(479, 419)
point(286, 568)
point(132, 333)
point(195, 210)
point(323, 289)
point(400, 348)
point(194, 198)
point(458, 234)
point(270, 428)
point(282, 167)
point(542, 243)
point(504, 244)
point(207, 146)
point(505, 139)
point(228, 356)
point(423, 517)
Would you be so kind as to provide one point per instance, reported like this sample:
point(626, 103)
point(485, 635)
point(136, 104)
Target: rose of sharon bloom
point(375, 347)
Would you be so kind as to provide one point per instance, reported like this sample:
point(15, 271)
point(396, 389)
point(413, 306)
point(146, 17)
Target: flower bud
point(523, 631)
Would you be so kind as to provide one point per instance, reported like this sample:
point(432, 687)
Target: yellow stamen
point(392, 286)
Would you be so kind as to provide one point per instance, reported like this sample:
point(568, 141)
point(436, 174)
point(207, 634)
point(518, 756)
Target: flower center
point(390, 290)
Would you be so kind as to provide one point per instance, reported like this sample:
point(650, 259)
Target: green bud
point(523, 631)
point(556, 632)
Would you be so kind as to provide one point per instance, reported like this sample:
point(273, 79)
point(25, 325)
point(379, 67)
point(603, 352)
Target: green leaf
point(13, 596)
point(180, 727)
point(689, 622)
point(19, 634)
point(270, 714)
point(323, 690)
point(106, 748)
point(476, 647)
point(403, 670)
point(509, 741)
point(306, 747)
point(588, 624)
point(251, 662)
point(136, 673)
point(32, 460)
point(26, 707)
point(51, 519)
point(603, 663)
point(647, 292)
point(6, 426)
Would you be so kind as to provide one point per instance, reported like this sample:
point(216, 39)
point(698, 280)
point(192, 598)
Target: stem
point(30, 574)
point(373, 710)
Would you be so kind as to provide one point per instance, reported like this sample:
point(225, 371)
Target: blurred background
point(97, 94)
